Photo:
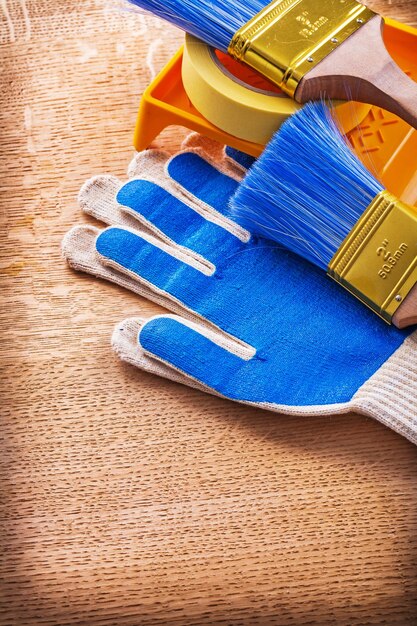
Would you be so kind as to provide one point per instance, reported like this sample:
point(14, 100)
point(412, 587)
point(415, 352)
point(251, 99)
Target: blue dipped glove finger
point(280, 334)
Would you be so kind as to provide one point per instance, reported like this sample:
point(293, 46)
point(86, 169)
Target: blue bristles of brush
point(214, 22)
point(308, 189)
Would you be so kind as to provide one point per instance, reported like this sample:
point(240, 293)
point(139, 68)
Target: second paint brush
point(309, 192)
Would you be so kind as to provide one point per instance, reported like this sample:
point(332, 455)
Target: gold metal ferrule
point(377, 262)
point(288, 38)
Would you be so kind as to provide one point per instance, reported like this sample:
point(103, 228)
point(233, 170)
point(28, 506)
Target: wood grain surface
point(130, 500)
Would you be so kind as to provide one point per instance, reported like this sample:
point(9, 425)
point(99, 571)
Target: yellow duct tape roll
point(241, 102)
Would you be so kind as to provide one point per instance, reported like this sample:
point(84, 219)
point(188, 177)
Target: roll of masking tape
point(240, 101)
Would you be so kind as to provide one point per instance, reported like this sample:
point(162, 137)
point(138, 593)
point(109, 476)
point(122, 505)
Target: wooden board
point(127, 499)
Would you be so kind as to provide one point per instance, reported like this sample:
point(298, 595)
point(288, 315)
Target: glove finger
point(148, 164)
point(97, 197)
point(142, 256)
point(156, 167)
point(203, 145)
point(227, 160)
point(368, 400)
point(212, 359)
point(176, 221)
point(231, 162)
point(79, 250)
point(152, 163)
point(201, 180)
point(125, 344)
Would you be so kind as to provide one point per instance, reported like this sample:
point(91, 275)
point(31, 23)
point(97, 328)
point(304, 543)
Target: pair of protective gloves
point(249, 321)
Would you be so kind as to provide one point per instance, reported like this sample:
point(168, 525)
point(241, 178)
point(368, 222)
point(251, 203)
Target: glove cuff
point(390, 395)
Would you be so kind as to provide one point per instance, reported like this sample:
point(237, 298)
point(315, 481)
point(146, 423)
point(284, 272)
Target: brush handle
point(406, 314)
point(361, 69)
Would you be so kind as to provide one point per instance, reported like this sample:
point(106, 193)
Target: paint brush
point(309, 48)
point(309, 192)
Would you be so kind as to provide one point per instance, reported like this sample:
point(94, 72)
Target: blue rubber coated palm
point(315, 344)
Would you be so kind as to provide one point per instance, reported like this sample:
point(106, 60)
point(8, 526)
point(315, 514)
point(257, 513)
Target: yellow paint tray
point(385, 143)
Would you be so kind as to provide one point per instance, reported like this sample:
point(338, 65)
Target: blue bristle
point(307, 189)
point(214, 22)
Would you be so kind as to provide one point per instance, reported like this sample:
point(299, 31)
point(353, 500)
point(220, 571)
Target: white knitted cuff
point(390, 395)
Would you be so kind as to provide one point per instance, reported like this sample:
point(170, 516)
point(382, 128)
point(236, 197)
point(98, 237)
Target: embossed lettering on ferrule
point(309, 28)
point(390, 258)
point(289, 37)
point(377, 262)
